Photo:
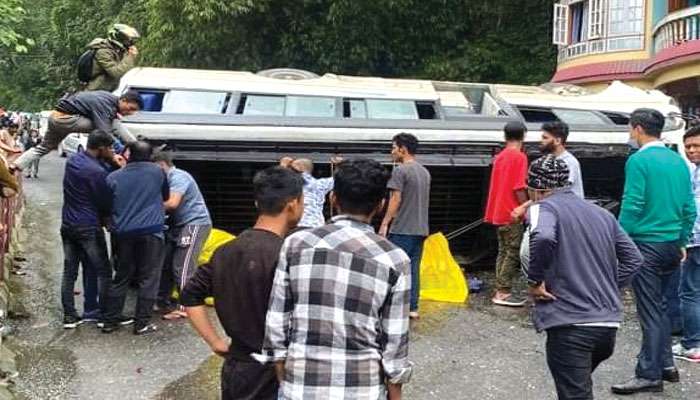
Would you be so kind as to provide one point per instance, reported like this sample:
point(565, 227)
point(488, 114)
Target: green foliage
point(12, 14)
point(463, 40)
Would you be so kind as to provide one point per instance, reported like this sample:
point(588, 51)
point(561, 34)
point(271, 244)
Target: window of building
point(579, 22)
point(596, 19)
point(675, 5)
point(560, 32)
point(626, 17)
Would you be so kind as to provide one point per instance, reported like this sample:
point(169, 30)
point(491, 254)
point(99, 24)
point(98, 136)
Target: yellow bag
point(441, 279)
point(216, 239)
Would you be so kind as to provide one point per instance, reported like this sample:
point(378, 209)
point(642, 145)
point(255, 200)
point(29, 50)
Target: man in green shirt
point(658, 212)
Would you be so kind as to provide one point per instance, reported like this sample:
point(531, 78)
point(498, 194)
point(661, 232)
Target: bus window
point(354, 108)
point(152, 100)
point(426, 110)
point(263, 105)
point(307, 106)
point(391, 109)
point(192, 102)
point(583, 117)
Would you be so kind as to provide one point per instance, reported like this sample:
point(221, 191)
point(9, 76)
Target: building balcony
point(676, 29)
point(597, 46)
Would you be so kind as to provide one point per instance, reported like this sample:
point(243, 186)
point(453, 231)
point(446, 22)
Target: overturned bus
point(224, 126)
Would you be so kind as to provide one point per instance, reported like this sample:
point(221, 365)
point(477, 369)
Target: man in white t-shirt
point(554, 135)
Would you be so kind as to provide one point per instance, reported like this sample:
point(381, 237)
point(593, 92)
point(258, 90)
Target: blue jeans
point(661, 260)
point(674, 302)
point(413, 246)
point(690, 299)
point(85, 245)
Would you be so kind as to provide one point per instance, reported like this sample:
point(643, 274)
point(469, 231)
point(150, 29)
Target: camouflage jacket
point(111, 62)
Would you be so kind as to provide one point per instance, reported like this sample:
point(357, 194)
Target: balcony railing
point(615, 43)
point(677, 28)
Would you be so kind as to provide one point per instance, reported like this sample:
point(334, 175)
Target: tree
point(12, 15)
point(463, 40)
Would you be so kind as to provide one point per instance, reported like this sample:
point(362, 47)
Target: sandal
point(175, 315)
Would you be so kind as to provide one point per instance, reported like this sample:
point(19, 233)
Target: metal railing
point(609, 44)
point(677, 28)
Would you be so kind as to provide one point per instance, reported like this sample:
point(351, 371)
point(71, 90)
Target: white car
point(72, 144)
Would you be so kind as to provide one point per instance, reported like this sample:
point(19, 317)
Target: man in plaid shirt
point(337, 324)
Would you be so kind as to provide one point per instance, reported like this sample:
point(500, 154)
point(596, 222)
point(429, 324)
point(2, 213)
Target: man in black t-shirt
point(239, 277)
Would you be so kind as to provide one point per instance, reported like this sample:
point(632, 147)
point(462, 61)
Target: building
point(651, 44)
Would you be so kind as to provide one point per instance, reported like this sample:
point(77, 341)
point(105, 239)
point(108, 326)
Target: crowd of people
point(577, 257)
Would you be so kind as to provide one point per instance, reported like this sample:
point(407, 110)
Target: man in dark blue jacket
point(580, 258)
point(138, 218)
point(86, 204)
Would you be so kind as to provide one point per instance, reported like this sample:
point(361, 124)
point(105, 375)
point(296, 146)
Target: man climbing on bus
point(107, 60)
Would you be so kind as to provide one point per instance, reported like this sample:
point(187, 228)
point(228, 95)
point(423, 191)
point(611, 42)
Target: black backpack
point(85, 65)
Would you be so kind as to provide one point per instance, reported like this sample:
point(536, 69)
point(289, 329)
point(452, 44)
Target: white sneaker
point(692, 355)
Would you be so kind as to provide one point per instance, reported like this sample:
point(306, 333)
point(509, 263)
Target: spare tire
point(287, 73)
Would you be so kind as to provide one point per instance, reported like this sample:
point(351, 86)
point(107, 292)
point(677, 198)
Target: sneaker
point(692, 355)
point(71, 322)
point(108, 327)
point(92, 316)
point(140, 329)
point(121, 321)
point(413, 315)
point(511, 300)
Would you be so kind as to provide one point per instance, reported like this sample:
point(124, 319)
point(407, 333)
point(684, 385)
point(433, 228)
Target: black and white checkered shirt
point(338, 313)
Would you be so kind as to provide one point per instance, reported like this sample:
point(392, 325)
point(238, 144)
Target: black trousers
point(248, 381)
point(140, 259)
point(573, 353)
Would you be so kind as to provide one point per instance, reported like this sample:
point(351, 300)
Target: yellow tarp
point(441, 279)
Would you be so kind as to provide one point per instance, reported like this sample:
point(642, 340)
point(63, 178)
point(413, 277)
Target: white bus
point(223, 126)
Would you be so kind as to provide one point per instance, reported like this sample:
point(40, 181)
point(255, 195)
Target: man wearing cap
point(579, 260)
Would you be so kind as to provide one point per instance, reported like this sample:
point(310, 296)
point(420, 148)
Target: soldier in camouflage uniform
point(114, 56)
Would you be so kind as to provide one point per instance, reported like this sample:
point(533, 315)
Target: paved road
point(460, 353)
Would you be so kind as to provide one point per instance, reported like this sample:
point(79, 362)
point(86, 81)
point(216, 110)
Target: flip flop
point(175, 315)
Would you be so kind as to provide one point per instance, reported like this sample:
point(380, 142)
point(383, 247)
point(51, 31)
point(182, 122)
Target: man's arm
point(633, 201)
point(197, 289)
point(394, 323)
point(391, 210)
point(543, 243)
point(113, 68)
point(689, 216)
point(628, 256)
point(173, 202)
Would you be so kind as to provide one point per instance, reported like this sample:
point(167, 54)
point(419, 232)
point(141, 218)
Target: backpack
point(85, 62)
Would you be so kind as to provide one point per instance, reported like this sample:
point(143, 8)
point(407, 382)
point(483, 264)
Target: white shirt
point(574, 172)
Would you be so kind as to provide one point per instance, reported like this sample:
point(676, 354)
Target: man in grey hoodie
point(580, 258)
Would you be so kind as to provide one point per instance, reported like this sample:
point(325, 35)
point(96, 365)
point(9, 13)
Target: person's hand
point(133, 50)
point(519, 212)
point(220, 347)
point(335, 160)
point(540, 293)
point(383, 230)
point(119, 160)
point(16, 150)
point(684, 254)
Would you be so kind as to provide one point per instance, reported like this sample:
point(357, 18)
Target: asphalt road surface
point(460, 352)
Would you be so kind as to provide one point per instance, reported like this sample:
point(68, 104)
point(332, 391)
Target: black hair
point(649, 119)
point(163, 156)
point(132, 96)
point(360, 185)
point(407, 141)
point(515, 130)
point(557, 129)
point(692, 132)
point(139, 151)
point(98, 139)
point(274, 187)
